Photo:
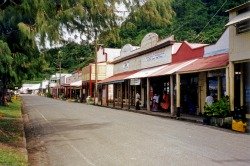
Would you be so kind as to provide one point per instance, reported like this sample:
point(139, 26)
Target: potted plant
point(217, 113)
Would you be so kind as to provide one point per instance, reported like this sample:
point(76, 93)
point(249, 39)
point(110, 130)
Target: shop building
point(206, 74)
point(73, 86)
point(239, 58)
point(134, 69)
point(54, 86)
point(181, 70)
point(104, 70)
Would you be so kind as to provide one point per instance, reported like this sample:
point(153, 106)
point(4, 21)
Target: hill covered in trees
point(193, 20)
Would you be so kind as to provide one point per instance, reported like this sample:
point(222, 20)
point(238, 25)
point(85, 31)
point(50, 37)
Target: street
point(71, 134)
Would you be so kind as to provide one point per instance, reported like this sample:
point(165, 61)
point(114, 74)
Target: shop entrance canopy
point(117, 77)
point(145, 72)
point(206, 64)
point(171, 68)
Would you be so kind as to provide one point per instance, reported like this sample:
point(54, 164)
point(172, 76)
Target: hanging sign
point(135, 81)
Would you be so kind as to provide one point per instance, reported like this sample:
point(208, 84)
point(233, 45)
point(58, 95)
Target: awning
point(117, 77)
point(239, 18)
point(77, 83)
point(171, 68)
point(206, 64)
point(145, 72)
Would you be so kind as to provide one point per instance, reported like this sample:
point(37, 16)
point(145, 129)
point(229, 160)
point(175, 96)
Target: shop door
point(189, 94)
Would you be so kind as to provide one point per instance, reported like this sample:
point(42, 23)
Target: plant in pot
point(216, 113)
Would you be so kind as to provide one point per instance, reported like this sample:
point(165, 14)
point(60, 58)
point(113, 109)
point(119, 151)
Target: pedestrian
point(155, 103)
point(209, 99)
point(137, 99)
point(165, 101)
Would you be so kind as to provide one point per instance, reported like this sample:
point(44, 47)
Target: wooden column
point(121, 95)
point(241, 85)
point(107, 94)
point(142, 94)
point(227, 82)
point(171, 95)
point(231, 78)
point(70, 92)
point(90, 88)
point(219, 88)
point(125, 92)
point(101, 93)
point(114, 91)
point(129, 94)
point(178, 91)
point(148, 94)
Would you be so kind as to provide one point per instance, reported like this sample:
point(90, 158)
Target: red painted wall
point(185, 52)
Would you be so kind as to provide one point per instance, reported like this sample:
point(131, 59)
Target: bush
point(219, 108)
point(48, 95)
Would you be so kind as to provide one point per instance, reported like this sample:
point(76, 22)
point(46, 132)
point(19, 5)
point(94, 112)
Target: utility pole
point(59, 80)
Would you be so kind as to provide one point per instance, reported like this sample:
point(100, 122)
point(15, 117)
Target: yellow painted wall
point(239, 44)
point(202, 90)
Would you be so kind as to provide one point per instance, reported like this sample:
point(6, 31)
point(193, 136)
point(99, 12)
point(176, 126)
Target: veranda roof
point(77, 83)
point(117, 77)
point(171, 68)
point(206, 64)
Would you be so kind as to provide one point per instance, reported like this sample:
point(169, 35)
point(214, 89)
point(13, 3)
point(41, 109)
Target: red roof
point(120, 77)
point(206, 63)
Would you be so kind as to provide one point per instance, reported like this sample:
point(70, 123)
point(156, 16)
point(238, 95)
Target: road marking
point(67, 141)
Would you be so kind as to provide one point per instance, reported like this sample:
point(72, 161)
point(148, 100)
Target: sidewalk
point(183, 117)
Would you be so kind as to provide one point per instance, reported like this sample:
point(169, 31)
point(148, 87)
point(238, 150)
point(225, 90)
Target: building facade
point(239, 58)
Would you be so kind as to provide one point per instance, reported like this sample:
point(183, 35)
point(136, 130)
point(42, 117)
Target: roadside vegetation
point(12, 149)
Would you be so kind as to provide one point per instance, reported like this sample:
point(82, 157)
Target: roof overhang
point(239, 18)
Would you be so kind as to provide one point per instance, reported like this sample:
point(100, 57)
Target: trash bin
point(239, 120)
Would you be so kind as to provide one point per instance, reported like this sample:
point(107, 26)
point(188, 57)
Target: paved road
point(75, 134)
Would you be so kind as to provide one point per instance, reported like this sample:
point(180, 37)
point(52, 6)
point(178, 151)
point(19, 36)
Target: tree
point(23, 21)
point(6, 71)
point(151, 16)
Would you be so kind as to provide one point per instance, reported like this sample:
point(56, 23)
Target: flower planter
point(219, 122)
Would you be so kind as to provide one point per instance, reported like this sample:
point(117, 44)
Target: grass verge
point(12, 150)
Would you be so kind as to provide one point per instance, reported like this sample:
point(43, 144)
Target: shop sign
point(135, 81)
point(155, 57)
point(216, 74)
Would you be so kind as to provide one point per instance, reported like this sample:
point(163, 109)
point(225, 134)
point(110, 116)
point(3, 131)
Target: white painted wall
point(221, 46)
point(156, 58)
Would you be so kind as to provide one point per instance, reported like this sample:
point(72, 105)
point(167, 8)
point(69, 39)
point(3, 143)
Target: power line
point(211, 19)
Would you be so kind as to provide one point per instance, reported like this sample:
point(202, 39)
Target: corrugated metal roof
point(145, 72)
point(77, 83)
point(118, 77)
point(205, 64)
point(171, 68)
